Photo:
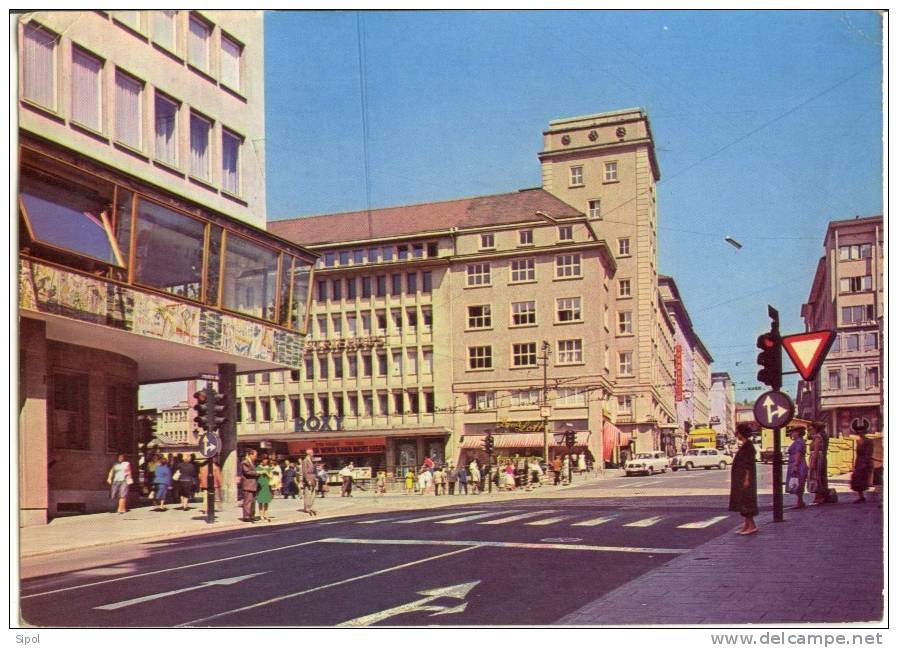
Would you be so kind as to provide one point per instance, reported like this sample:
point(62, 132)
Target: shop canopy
point(523, 440)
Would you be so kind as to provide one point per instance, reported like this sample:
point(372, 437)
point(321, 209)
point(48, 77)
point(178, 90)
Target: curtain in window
point(127, 110)
point(230, 158)
point(198, 44)
point(86, 89)
point(166, 141)
point(39, 78)
point(199, 147)
point(164, 28)
point(230, 63)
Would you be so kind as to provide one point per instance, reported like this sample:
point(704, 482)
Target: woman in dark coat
point(744, 484)
point(862, 474)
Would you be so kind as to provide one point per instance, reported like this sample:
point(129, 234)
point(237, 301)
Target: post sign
point(774, 409)
point(808, 350)
point(678, 373)
point(210, 444)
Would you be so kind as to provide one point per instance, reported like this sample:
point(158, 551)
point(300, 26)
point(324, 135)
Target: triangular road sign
point(807, 351)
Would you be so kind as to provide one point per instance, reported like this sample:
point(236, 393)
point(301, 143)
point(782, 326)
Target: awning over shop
point(523, 440)
point(347, 446)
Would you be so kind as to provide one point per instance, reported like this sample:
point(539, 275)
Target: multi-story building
point(847, 297)
point(723, 406)
point(142, 256)
point(605, 166)
point(692, 367)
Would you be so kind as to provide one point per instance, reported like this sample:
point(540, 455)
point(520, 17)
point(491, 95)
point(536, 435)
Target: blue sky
point(767, 126)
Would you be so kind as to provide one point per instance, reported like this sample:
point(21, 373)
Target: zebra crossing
point(541, 518)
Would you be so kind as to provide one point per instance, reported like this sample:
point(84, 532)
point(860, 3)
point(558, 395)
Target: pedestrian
point(797, 473)
point(818, 482)
point(185, 477)
point(204, 482)
point(474, 473)
point(536, 473)
point(462, 480)
point(346, 476)
point(175, 465)
point(264, 495)
point(250, 485)
point(196, 475)
point(556, 468)
point(743, 481)
point(451, 478)
point(380, 485)
point(428, 463)
point(437, 480)
point(566, 469)
point(162, 482)
point(276, 479)
point(119, 479)
point(321, 477)
point(581, 463)
point(509, 476)
point(862, 475)
point(409, 481)
point(288, 488)
point(309, 482)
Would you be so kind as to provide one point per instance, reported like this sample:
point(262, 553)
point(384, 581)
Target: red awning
point(523, 440)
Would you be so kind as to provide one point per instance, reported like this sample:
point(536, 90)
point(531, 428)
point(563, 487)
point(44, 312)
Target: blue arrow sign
point(210, 444)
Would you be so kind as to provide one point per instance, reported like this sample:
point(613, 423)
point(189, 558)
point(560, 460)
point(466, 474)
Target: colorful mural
point(47, 289)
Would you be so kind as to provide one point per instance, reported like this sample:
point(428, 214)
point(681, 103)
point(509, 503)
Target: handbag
point(177, 475)
point(792, 486)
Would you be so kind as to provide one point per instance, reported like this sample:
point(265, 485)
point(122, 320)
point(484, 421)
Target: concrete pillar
point(33, 422)
point(227, 385)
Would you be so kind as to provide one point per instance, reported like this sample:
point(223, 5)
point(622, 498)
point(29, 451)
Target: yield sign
point(807, 351)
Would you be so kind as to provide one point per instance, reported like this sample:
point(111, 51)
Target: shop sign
point(520, 427)
point(318, 424)
point(678, 373)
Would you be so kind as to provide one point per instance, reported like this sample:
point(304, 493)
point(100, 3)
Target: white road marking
point(595, 521)
point(459, 591)
point(514, 518)
point(379, 520)
point(704, 524)
point(435, 517)
point(548, 521)
point(509, 545)
point(646, 522)
point(152, 597)
point(326, 586)
point(640, 483)
point(468, 518)
point(171, 569)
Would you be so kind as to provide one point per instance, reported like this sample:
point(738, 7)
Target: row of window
point(522, 270)
point(565, 233)
point(376, 286)
point(70, 416)
point(523, 313)
point(380, 254)
point(126, 121)
point(577, 178)
point(858, 314)
point(853, 342)
point(853, 378)
point(524, 354)
point(480, 401)
point(855, 284)
point(366, 403)
point(333, 326)
point(854, 252)
point(353, 365)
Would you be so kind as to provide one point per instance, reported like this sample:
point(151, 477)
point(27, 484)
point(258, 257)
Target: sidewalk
point(822, 564)
point(144, 523)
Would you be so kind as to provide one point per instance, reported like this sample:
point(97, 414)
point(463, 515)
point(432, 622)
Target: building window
point(39, 65)
point(523, 355)
point(411, 282)
point(426, 282)
point(128, 103)
point(387, 253)
point(480, 357)
point(367, 365)
point(169, 243)
point(373, 255)
point(853, 378)
point(566, 233)
point(200, 157)
point(310, 368)
point(479, 317)
point(381, 284)
point(570, 351)
point(198, 43)
point(337, 325)
point(330, 259)
point(623, 247)
point(479, 401)
point(265, 406)
point(872, 377)
point(428, 361)
point(625, 363)
point(525, 237)
point(610, 171)
point(230, 162)
point(323, 372)
point(523, 270)
point(366, 287)
point(251, 414)
point(567, 265)
point(418, 250)
point(571, 397)
point(280, 408)
point(523, 313)
point(166, 118)
point(397, 320)
point(322, 290)
point(337, 289)
point(427, 318)
point(595, 209)
point(871, 341)
point(433, 250)
point(625, 404)
point(381, 363)
point(487, 241)
point(429, 405)
point(381, 321)
point(338, 366)
point(576, 176)
point(525, 398)
point(623, 288)
point(411, 315)
point(411, 362)
point(625, 323)
point(165, 29)
point(351, 288)
point(857, 314)
point(396, 284)
point(87, 92)
point(853, 252)
point(568, 309)
point(250, 278)
point(855, 284)
point(231, 53)
point(479, 274)
point(852, 342)
point(70, 414)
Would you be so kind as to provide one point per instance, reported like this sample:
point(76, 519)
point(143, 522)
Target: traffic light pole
point(777, 476)
point(210, 491)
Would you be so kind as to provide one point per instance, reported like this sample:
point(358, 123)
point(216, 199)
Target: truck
point(701, 437)
point(785, 441)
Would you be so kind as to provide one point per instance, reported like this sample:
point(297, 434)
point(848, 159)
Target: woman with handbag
point(120, 480)
point(744, 481)
point(798, 467)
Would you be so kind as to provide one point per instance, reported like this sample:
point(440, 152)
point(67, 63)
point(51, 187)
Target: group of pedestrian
point(175, 479)
point(261, 480)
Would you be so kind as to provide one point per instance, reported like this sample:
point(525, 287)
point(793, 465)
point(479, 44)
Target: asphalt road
point(529, 561)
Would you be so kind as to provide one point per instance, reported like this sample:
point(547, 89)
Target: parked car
point(767, 455)
point(648, 463)
point(706, 458)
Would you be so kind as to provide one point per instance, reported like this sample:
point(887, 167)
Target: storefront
point(520, 439)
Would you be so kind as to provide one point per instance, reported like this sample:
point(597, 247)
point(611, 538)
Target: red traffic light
point(766, 341)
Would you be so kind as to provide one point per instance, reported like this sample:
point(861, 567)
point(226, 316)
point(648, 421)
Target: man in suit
point(309, 483)
point(250, 485)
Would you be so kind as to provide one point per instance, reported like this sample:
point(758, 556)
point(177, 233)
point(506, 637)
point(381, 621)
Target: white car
point(648, 463)
point(706, 458)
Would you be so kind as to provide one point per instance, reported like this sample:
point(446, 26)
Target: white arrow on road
point(773, 414)
point(459, 591)
point(143, 599)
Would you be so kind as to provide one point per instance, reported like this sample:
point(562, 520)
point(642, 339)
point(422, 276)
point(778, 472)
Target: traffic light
point(217, 410)
point(488, 443)
point(771, 360)
point(570, 438)
point(201, 407)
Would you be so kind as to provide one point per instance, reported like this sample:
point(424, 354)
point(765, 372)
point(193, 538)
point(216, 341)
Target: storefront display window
point(169, 250)
point(250, 278)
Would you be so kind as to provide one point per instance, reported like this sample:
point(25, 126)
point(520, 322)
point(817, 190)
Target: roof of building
point(849, 222)
point(407, 220)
